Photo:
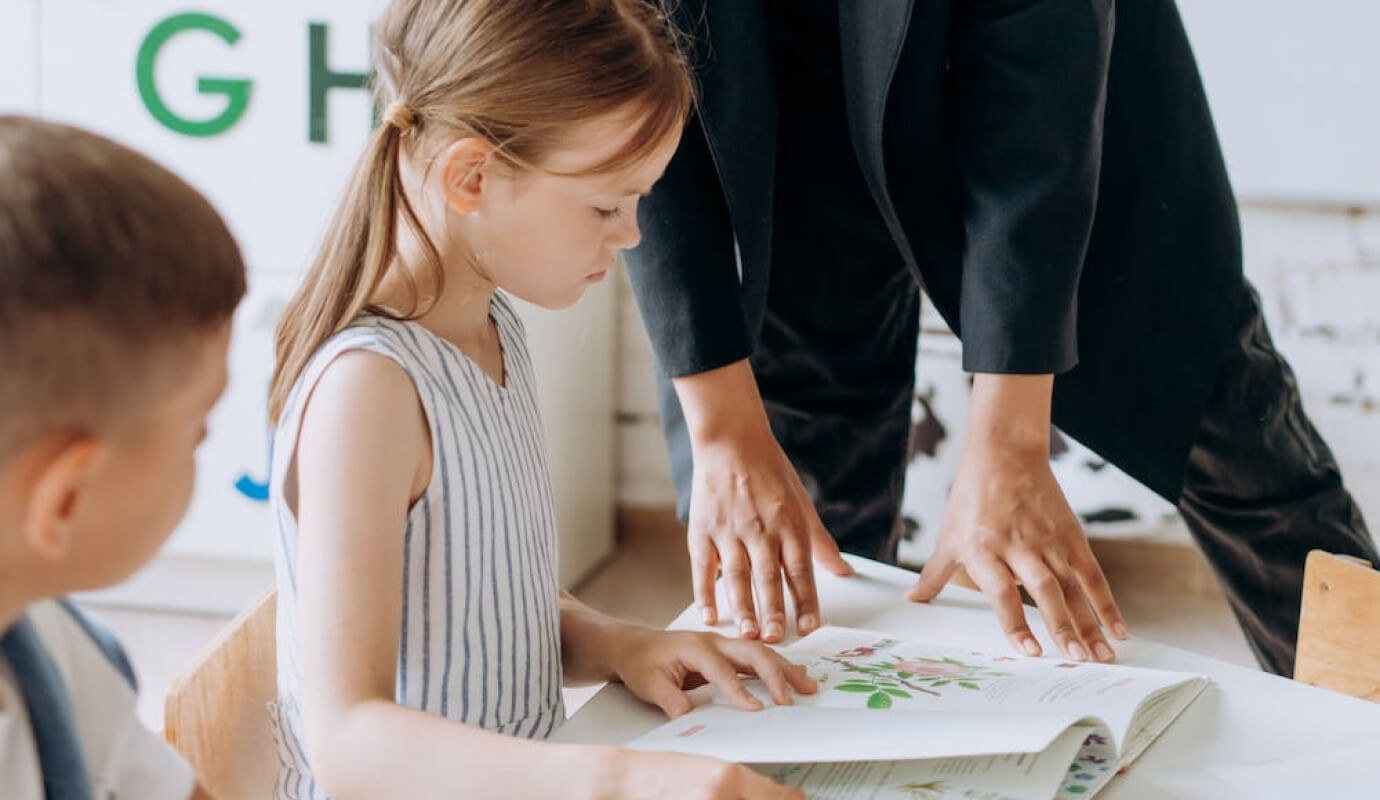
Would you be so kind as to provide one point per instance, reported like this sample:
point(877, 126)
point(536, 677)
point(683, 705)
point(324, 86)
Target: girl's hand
point(660, 666)
point(673, 776)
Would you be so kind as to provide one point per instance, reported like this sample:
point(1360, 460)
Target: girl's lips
point(595, 277)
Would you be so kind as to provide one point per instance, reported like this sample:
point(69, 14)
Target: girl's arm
point(362, 456)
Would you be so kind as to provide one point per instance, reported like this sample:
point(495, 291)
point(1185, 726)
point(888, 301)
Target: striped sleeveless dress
point(480, 639)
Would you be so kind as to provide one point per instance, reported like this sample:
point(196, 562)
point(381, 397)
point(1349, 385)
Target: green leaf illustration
point(903, 675)
point(939, 683)
point(896, 693)
point(967, 685)
point(879, 700)
point(854, 687)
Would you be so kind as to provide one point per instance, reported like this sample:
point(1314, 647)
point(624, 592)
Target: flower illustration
point(933, 669)
point(857, 652)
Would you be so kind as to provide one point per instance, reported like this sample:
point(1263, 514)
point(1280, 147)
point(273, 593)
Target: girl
point(422, 639)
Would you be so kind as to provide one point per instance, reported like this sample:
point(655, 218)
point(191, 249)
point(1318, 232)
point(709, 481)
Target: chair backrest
point(1339, 630)
point(216, 714)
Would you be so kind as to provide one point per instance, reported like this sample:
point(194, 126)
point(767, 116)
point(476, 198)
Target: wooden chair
point(215, 713)
point(1339, 631)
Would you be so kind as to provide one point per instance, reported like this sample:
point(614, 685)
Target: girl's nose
point(627, 234)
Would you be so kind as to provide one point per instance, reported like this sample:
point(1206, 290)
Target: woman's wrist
point(722, 405)
point(1011, 413)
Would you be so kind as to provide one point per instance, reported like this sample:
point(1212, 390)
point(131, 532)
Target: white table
point(1249, 736)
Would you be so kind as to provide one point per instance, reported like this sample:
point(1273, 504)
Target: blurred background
point(262, 106)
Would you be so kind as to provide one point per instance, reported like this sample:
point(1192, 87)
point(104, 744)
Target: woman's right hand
point(675, 776)
point(750, 517)
point(749, 513)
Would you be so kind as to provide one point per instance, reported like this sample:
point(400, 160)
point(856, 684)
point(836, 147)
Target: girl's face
point(546, 238)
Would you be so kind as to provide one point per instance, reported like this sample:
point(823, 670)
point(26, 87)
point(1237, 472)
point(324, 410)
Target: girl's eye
point(608, 213)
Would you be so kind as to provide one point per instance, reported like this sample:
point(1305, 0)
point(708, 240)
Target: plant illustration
point(903, 678)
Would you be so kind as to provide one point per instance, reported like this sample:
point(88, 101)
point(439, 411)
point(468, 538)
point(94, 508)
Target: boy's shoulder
point(73, 667)
point(76, 645)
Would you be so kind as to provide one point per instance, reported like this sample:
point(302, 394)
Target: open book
point(915, 720)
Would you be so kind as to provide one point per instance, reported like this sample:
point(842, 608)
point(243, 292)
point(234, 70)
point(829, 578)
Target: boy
point(117, 285)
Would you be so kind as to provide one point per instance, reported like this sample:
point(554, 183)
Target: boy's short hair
point(109, 266)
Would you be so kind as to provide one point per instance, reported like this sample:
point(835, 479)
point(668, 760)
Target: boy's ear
point(62, 477)
point(463, 164)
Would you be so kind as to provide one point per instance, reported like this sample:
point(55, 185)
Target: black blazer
point(1048, 168)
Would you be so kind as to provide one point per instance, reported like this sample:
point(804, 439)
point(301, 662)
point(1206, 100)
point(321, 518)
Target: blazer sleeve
point(1029, 80)
point(684, 274)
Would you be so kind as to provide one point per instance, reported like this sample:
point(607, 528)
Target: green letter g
point(236, 91)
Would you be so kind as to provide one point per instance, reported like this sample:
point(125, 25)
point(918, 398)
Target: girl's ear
point(463, 165)
point(50, 516)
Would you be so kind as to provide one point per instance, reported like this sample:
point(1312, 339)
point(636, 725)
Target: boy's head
point(117, 285)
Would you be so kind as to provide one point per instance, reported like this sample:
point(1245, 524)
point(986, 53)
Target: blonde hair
point(516, 73)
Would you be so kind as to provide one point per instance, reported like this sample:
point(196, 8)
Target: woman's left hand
point(661, 666)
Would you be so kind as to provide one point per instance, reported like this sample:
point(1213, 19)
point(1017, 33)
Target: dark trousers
point(1261, 488)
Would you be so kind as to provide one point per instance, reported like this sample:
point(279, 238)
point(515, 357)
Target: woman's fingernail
point(773, 631)
point(1104, 653)
point(1119, 630)
point(707, 616)
point(1076, 652)
point(807, 623)
point(1030, 646)
point(747, 628)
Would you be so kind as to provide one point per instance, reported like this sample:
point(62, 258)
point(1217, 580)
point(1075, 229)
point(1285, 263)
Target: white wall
point(75, 61)
point(1294, 89)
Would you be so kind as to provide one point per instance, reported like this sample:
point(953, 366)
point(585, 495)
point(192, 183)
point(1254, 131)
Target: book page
point(1008, 776)
point(1155, 714)
point(865, 670)
point(886, 699)
point(801, 733)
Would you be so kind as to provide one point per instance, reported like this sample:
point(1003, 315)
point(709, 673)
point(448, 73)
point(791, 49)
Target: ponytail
point(359, 245)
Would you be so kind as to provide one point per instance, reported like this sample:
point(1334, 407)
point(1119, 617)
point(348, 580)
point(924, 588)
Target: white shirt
point(125, 760)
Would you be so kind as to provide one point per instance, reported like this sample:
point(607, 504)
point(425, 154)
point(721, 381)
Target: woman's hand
point(1009, 525)
point(749, 513)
